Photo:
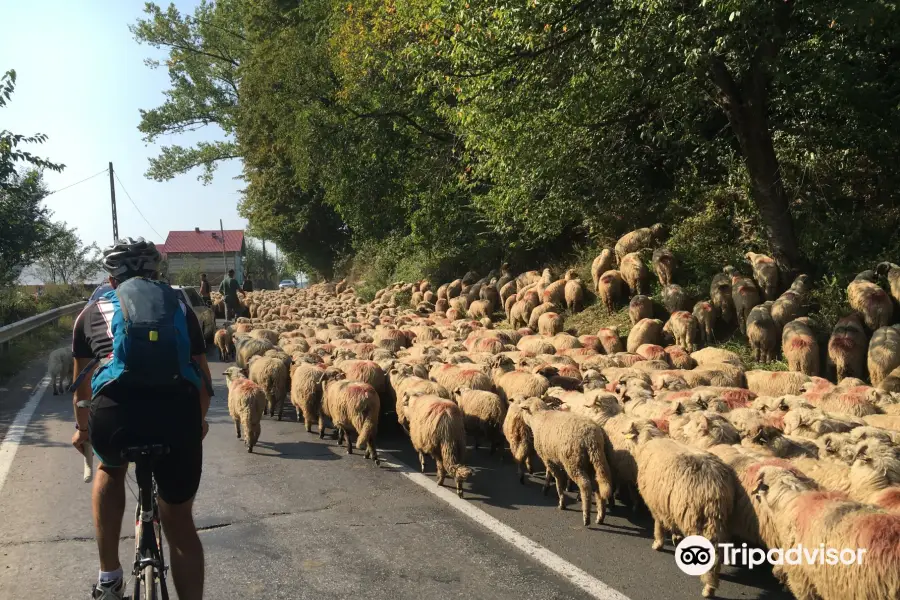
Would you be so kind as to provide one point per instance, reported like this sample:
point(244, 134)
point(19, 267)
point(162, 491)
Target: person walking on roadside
point(129, 393)
point(204, 289)
point(248, 284)
point(230, 289)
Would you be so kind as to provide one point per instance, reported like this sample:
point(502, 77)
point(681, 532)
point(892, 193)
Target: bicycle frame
point(148, 532)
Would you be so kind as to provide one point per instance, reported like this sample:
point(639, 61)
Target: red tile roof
point(203, 241)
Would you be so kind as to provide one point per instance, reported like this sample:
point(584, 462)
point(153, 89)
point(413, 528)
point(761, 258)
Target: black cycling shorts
point(121, 418)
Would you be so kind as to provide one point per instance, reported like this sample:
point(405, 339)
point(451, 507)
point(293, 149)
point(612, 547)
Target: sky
point(81, 80)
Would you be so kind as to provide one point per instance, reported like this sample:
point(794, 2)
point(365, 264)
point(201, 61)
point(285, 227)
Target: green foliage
point(24, 223)
point(64, 259)
point(17, 304)
point(10, 151)
point(390, 140)
point(205, 51)
point(188, 275)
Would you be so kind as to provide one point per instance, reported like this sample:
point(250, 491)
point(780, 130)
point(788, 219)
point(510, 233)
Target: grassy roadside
point(34, 344)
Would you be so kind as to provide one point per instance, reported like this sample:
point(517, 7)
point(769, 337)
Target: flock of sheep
point(774, 459)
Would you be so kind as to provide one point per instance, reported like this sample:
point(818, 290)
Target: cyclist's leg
point(177, 479)
point(185, 549)
point(109, 507)
point(108, 427)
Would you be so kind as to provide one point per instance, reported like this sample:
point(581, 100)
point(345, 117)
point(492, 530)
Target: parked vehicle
point(286, 283)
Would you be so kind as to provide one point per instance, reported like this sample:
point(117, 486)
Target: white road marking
point(16, 430)
point(583, 580)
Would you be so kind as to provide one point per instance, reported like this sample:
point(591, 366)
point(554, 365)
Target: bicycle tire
point(150, 583)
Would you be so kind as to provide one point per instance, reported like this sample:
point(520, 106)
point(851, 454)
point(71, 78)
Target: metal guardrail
point(14, 330)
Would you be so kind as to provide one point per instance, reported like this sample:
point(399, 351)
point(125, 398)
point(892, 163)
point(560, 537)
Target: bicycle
point(149, 561)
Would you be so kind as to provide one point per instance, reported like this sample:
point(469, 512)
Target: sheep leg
point(237, 428)
point(372, 451)
point(422, 461)
point(547, 479)
point(475, 438)
point(585, 488)
point(299, 414)
point(346, 436)
point(321, 427)
point(280, 409)
point(659, 535)
point(441, 474)
point(562, 482)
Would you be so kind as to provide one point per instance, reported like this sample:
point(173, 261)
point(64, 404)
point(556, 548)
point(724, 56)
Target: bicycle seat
point(134, 453)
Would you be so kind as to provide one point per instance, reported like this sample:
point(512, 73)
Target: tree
point(64, 259)
point(205, 51)
point(24, 222)
point(10, 153)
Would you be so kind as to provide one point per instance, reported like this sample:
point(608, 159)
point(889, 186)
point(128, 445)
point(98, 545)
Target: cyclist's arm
point(200, 360)
point(82, 354)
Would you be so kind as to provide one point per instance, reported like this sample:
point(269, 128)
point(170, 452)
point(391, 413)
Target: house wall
point(211, 264)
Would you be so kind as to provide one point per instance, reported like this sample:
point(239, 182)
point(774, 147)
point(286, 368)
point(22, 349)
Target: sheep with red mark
point(600, 265)
point(634, 273)
point(792, 303)
point(272, 376)
point(705, 315)
point(688, 492)
point(765, 272)
point(702, 429)
point(684, 328)
point(437, 428)
point(720, 293)
point(483, 414)
point(640, 307)
point(550, 324)
point(762, 333)
point(452, 376)
point(621, 434)
point(884, 353)
point(870, 300)
point(651, 352)
point(512, 384)
point(305, 393)
point(746, 296)
point(638, 240)
point(247, 347)
point(572, 447)
point(664, 265)
point(847, 347)
point(574, 294)
point(811, 423)
point(646, 331)
point(679, 357)
point(351, 406)
point(799, 346)
point(519, 436)
point(223, 339)
point(807, 516)
point(675, 298)
point(611, 289)
point(366, 371)
point(610, 340)
point(716, 356)
point(246, 402)
point(776, 383)
point(857, 401)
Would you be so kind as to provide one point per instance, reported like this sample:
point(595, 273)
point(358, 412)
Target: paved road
point(301, 519)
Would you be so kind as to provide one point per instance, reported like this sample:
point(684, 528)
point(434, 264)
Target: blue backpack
point(151, 345)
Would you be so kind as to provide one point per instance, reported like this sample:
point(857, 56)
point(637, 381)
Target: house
point(202, 250)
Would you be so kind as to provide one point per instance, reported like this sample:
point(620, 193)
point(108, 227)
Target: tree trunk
point(746, 107)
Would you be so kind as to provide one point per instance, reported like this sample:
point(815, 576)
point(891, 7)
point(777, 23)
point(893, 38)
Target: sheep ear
point(761, 488)
point(631, 432)
point(678, 408)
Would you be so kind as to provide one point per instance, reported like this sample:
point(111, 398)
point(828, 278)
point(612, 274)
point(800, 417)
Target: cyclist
point(116, 409)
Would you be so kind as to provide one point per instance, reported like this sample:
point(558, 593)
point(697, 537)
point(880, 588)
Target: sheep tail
point(366, 431)
point(601, 470)
point(450, 442)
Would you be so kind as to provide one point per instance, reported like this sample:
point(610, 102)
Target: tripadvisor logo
point(696, 555)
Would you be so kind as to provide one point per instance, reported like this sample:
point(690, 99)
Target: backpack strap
point(77, 381)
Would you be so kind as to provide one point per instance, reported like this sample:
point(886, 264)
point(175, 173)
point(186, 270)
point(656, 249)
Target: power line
point(77, 182)
point(135, 205)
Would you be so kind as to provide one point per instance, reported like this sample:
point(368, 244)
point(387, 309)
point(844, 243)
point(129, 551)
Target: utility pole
point(264, 267)
point(224, 259)
point(112, 196)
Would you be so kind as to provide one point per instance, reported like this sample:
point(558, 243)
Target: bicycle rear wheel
point(149, 581)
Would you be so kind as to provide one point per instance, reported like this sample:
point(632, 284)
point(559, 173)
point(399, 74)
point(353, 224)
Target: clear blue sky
point(81, 81)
